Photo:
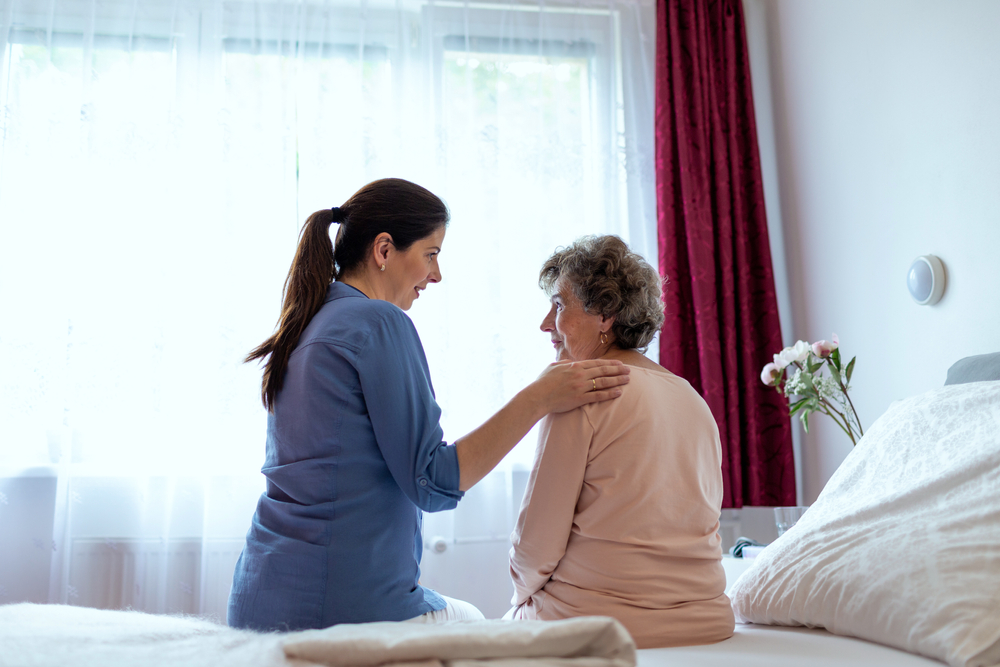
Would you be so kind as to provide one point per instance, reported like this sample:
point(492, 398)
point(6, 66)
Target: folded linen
point(594, 641)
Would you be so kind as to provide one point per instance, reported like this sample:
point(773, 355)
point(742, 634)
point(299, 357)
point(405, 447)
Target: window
point(164, 156)
point(157, 160)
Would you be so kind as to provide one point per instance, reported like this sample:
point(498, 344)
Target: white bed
point(927, 472)
point(902, 547)
point(36, 635)
point(58, 635)
point(772, 646)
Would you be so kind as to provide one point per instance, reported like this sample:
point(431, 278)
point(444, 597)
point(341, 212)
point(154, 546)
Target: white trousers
point(457, 610)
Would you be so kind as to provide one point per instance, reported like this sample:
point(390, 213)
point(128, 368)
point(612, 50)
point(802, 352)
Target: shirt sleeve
point(397, 388)
point(550, 499)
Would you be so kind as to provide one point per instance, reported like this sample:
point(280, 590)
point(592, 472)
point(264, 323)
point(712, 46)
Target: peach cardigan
point(621, 513)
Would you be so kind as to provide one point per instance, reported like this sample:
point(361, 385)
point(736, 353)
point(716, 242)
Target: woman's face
point(575, 333)
point(407, 273)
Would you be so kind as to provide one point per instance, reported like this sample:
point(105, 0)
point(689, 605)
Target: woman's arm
point(550, 500)
point(563, 386)
point(405, 416)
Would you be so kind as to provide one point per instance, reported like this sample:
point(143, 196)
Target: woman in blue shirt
point(354, 447)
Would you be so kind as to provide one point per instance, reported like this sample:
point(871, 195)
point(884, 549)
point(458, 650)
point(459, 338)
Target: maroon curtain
point(722, 314)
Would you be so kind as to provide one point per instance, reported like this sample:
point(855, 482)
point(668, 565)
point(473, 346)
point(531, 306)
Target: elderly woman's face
point(575, 333)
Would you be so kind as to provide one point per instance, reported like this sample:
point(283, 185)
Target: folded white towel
point(595, 641)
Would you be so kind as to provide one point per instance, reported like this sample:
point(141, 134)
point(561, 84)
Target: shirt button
point(423, 482)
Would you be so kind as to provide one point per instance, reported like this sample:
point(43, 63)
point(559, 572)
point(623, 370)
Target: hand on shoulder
point(566, 385)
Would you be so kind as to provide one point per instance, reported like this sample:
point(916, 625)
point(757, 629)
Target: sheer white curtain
point(157, 158)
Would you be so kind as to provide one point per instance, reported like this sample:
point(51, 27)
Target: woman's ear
point(607, 323)
point(381, 248)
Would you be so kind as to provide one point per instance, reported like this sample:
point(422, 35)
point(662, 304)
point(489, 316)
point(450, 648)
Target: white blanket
point(62, 636)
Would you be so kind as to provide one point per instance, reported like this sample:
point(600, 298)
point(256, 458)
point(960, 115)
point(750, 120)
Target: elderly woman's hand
point(566, 385)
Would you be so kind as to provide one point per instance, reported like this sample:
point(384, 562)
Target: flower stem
point(845, 426)
point(849, 402)
point(843, 388)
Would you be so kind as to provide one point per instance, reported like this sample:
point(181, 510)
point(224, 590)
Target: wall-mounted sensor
point(925, 280)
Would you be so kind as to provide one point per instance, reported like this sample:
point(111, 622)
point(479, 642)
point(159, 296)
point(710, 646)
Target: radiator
point(176, 576)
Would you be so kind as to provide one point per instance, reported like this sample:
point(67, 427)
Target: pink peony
point(770, 374)
point(823, 348)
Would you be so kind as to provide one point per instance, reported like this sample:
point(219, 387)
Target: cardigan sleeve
point(550, 499)
point(405, 416)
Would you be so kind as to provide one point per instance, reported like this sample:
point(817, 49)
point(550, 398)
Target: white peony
point(798, 352)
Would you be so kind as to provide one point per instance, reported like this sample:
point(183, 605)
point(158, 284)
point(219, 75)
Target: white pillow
point(902, 547)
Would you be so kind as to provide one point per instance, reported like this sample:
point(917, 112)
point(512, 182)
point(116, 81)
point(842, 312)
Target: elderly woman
point(621, 512)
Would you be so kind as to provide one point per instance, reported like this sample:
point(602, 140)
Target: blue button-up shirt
point(354, 453)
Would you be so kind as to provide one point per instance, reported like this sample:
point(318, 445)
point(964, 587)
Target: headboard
point(980, 368)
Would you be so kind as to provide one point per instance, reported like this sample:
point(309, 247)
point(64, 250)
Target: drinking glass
point(786, 517)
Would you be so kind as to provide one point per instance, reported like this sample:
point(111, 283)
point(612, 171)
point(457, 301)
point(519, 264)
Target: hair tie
point(338, 214)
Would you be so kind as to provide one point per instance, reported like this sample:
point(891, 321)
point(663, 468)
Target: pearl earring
point(383, 268)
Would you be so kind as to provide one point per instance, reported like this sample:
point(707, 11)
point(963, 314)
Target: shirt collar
point(339, 290)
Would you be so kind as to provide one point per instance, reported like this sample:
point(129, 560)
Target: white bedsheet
point(35, 635)
point(64, 636)
point(773, 646)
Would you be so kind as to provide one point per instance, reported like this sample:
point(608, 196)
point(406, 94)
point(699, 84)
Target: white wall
point(880, 141)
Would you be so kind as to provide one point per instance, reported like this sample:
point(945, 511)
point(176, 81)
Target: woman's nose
point(547, 324)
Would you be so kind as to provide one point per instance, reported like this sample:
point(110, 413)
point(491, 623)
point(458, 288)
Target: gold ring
point(594, 380)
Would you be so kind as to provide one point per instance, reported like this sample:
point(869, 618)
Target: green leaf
point(805, 420)
point(798, 405)
point(835, 358)
point(835, 373)
point(813, 365)
point(850, 369)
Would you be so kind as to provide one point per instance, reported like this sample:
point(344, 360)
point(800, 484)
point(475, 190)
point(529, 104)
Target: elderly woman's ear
point(607, 336)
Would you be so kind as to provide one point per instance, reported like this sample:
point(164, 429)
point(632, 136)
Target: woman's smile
point(418, 261)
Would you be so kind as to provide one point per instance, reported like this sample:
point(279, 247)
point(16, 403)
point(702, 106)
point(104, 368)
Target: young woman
point(354, 447)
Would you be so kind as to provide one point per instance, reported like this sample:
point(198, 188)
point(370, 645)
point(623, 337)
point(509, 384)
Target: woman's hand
point(566, 385)
point(562, 386)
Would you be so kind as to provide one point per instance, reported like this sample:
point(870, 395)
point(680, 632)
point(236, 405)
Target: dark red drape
point(722, 314)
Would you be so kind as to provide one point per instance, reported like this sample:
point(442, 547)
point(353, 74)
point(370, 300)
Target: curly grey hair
point(612, 281)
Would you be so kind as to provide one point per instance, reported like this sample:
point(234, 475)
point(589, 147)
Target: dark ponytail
point(404, 210)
